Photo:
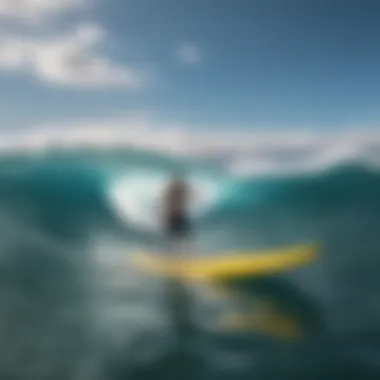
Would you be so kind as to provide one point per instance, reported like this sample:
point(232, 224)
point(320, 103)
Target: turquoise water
point(75, 307)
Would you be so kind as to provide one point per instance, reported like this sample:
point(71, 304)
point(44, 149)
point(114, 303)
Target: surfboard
point(228, 265)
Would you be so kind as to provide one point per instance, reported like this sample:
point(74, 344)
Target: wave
point(241, 152)
point(70, 219)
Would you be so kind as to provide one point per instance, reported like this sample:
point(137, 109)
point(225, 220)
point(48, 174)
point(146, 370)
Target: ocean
point(74, 305)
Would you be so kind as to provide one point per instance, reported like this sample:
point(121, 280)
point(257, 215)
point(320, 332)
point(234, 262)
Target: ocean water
point(75, 306)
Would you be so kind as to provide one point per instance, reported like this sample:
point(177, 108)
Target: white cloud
point(36, 10)
point(72, 59)
point(189, 53)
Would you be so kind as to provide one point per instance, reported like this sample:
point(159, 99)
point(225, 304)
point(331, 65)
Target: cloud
point(70, 60)
point(36, 10)
point(189, 53)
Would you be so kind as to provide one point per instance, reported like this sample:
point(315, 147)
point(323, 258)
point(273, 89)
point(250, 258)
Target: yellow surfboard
point(228, 265)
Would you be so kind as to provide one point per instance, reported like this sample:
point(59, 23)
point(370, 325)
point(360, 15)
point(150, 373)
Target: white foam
point(137, 196)
point(241, 152)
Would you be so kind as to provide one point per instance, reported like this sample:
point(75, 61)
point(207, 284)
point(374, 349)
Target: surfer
point(176, 219)
point(178, 230)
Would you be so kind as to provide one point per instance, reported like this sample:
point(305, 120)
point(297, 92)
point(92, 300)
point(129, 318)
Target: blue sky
point(258, 64)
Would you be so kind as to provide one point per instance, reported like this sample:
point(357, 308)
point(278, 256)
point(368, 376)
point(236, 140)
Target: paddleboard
point(228, 265)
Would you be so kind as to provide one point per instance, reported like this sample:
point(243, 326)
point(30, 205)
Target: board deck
point(229, 265)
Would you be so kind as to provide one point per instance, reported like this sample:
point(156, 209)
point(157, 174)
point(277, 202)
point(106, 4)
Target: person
point(176, 201)
point(178, 299)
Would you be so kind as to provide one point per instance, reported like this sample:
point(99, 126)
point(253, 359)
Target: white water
point(136, 198)
point(244, 152)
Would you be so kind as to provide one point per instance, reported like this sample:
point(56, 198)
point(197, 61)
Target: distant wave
point(240, 152)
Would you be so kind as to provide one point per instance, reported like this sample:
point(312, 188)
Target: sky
point(215, 64)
